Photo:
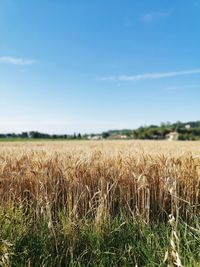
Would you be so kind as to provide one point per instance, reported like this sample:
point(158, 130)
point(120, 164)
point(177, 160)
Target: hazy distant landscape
point(189, 131)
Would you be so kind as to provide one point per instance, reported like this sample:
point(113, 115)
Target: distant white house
point(95, 137)
point(173, 136)
point(117, 136)
point(188, 126)
point(123, 136)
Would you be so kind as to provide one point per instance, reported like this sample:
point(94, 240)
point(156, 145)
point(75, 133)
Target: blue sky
point(87, 66)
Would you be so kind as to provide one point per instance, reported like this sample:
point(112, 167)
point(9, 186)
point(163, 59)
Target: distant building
point(118, 136)
point(95, 137)
point(123, 136)
point(188, 126)
point(173, 136)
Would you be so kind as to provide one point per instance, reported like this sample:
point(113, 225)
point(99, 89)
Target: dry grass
point(148, 180)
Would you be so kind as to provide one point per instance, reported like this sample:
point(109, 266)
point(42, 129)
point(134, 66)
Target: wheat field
point(70, 185)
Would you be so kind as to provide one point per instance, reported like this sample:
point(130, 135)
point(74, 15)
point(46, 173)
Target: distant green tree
point(79, 136)
point(24, 135)
point(105, 135)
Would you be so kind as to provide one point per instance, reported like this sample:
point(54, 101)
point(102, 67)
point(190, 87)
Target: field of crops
point(100, 203)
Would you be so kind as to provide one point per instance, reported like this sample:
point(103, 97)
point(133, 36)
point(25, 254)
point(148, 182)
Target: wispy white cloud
point(159, 75)
point(151, 76)
point(16, 61)
point(154, 16)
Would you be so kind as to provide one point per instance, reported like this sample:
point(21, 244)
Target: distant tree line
point(186, 131)
point(38, 135)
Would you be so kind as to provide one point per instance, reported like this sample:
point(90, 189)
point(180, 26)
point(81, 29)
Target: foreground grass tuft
point(117, 242)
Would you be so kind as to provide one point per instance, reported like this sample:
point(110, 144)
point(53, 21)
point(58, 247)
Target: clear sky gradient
point(87, 66)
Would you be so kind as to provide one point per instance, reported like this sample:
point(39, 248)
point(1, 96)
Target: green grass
point(17, 139)
point(119, 241)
